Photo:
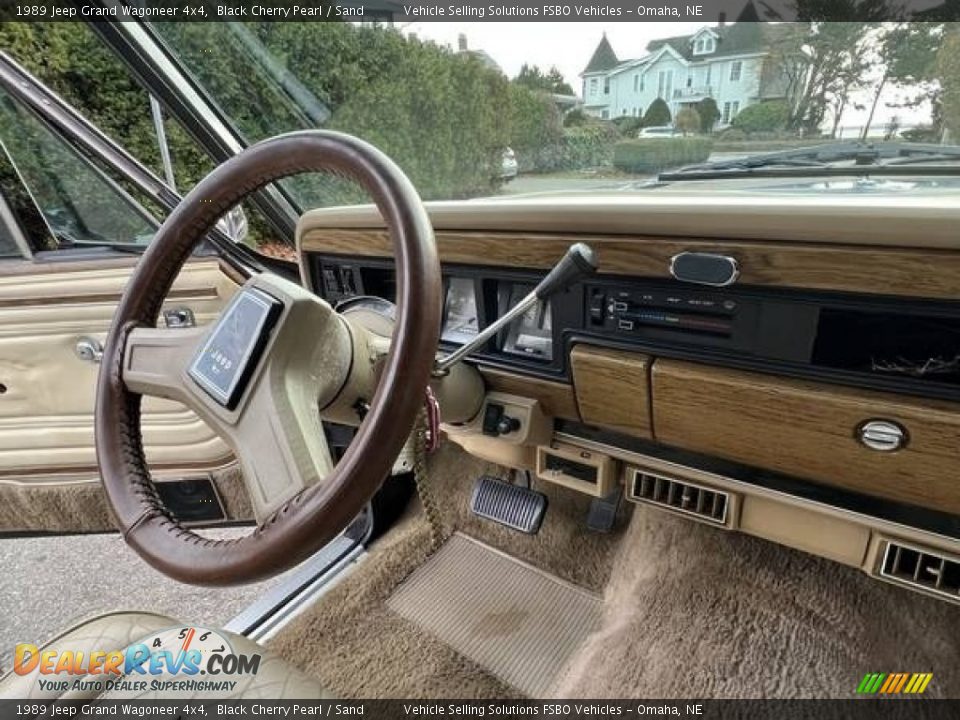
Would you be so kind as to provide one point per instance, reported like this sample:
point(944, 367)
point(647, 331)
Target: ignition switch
point(496, 422)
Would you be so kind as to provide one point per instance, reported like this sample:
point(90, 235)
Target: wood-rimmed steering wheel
point(261, 373)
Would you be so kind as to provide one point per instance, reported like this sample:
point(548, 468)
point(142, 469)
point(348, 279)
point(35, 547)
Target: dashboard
point(814, 402)
point(901, 345)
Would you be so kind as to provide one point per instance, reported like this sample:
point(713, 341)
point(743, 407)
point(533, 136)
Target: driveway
point(580, 181)
point(50, 582)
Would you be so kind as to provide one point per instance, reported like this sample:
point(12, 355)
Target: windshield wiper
point(844, 158)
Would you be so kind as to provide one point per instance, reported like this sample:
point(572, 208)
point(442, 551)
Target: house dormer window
point(704, 44)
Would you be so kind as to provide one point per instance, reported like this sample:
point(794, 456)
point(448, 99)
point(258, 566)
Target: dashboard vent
point(922, 569)
point(680, 496)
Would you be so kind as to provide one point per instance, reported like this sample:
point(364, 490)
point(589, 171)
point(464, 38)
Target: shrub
point(580, 147)
point(709, 115)
point(657, 114)
point(628, 125)
point(576, 118)
point(654, 155)
point(688, 121)
point(763, 117)
point(732, 135)
point(926, 133)
point(534, 123)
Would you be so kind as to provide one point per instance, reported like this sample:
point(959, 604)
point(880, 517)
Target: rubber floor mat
point(515, 621)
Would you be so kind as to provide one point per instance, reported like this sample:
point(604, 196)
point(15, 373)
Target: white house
point(730, 63)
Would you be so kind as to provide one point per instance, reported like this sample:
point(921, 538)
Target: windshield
point(473, 110)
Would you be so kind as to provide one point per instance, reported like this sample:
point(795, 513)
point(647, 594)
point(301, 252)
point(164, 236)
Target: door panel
point(48, 465)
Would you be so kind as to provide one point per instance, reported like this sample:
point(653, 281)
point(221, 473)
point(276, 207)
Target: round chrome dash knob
point(882, 435)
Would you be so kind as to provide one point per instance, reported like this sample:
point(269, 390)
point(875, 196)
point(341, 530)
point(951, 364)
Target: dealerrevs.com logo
point(187, 659)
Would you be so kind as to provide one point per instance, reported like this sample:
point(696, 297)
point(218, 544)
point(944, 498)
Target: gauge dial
point(461, 321)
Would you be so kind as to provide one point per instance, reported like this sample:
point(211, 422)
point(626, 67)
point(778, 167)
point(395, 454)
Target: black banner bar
point(406, 11)
point(866, 709)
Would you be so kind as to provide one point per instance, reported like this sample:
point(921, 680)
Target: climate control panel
point(630, 310)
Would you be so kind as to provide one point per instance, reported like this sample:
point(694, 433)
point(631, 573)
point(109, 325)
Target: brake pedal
point(516, 507)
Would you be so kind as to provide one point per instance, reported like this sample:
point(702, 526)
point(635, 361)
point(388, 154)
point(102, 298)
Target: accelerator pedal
point(516, 507)
point(603, 512)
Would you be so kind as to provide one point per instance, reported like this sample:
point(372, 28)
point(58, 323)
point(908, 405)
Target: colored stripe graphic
point(894, 683)
point(901, 683)
point(891, 681)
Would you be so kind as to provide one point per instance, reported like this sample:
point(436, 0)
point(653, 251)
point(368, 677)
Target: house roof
point(738, 39)
point(604, 58)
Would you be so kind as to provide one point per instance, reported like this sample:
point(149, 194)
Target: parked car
point(659, 131)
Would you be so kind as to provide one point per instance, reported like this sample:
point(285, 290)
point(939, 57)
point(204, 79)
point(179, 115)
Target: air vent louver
point(685, 497)
point(923, 569)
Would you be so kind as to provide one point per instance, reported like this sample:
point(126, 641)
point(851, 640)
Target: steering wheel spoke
point(155, 361)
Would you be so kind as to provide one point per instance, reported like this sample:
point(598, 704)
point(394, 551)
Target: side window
point(80, 203)
point(8, 245)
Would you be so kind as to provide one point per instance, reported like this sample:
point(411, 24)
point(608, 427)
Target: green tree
point(533, 78)
point(763, 117)
point(534, 122)
point(657, 114)
point(909, 53)
point(820, 64)
point(947, 67)
point(709, 115)
point(688, 121)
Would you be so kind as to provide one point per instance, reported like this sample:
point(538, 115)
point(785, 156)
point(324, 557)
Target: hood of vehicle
point(930, 219)
point(808, 186)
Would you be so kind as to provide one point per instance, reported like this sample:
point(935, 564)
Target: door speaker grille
point(922, 569)
point(680, 496)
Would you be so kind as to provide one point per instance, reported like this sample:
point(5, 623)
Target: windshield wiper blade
point(862, 155)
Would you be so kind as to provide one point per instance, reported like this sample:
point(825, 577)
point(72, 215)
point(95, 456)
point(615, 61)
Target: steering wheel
point(261, 374)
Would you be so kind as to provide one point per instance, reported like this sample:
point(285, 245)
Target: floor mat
point(515, 621)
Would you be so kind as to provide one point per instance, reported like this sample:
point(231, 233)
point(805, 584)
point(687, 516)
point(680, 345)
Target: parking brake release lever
point(579, 261)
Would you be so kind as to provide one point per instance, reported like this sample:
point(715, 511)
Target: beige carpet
point(690, 611)
point(357, 648)
point(693, 611)
point(563, 547)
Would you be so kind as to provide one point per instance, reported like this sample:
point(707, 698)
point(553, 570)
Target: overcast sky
point(569, 45)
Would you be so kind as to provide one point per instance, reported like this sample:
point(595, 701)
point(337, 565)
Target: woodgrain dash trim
point(613, 389)
point(808, 430)
point(843, 268)
point(556, 398)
